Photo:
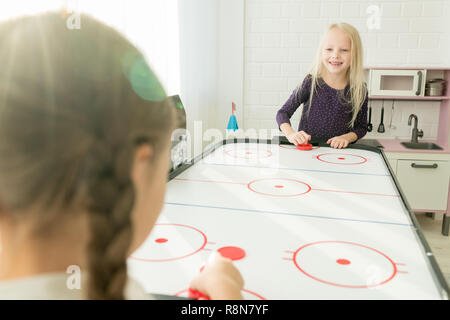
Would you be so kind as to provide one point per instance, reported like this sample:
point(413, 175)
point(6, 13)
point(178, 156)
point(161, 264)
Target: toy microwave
point(391, 82)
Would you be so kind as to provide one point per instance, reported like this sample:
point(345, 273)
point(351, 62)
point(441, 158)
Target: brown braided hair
point(74, 104)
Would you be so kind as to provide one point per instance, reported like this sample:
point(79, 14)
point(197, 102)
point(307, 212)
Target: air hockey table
point(317, 224)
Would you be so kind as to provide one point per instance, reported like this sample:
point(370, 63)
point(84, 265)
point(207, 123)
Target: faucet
point(415, 132)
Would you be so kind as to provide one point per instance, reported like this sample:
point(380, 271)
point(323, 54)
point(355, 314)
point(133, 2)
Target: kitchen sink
point(421, 145)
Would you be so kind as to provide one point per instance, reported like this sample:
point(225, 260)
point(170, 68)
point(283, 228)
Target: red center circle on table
point(364, 160)
point(205, 240)
point(161, 240)
point(342, 260)
point(230, 153)
point(233, 253)
point(277, 186)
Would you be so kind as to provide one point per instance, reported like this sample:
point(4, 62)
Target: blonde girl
point(334, 93)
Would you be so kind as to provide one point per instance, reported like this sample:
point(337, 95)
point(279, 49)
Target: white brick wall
point(281, 38)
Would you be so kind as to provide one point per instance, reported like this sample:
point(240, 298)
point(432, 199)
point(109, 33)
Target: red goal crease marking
point(248, 152)
point(341, 157)
point(392, 263)
point(291, 255)
point(249, 186)
point(202, 247)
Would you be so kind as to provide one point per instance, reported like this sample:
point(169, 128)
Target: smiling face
point(336, 52)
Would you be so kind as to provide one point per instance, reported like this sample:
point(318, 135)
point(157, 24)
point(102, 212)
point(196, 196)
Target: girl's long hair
point(355, 73)
point(74, 104)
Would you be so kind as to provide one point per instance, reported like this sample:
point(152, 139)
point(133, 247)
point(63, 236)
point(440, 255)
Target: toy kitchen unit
point(409, 117)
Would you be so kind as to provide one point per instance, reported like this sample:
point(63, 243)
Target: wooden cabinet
point(420, 176)
point(425, 183)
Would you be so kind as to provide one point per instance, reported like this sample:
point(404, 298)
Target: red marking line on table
point(312, 189)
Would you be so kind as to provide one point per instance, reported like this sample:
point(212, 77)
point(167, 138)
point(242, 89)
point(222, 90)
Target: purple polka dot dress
point(329, 115)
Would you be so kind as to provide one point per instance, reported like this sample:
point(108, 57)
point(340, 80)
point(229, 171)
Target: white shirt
point(53, 286)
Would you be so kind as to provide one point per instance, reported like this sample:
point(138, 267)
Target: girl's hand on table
point(297, 138)
point(338, 142)
point(219, 279)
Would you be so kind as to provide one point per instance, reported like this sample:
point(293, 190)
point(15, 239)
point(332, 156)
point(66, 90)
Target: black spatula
point(381, 126)
point(369, 125)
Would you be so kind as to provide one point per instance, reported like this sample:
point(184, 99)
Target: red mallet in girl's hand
point(197, 295)
point(305, 146)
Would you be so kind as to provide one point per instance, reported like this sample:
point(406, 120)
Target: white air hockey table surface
point(318, 224)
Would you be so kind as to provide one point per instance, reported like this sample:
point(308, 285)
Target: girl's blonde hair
point(74, 105)
point(355, 73)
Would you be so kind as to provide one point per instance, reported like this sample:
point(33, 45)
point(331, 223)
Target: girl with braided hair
point(84, 154)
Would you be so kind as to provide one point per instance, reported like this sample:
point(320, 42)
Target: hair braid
point(74, 149)
point(112, 195)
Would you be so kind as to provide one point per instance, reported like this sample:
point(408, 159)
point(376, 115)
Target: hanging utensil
point(392, 116)
point(369, 125)
point(381, 126)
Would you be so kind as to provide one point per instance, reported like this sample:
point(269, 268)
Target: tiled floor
point(440, 245)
